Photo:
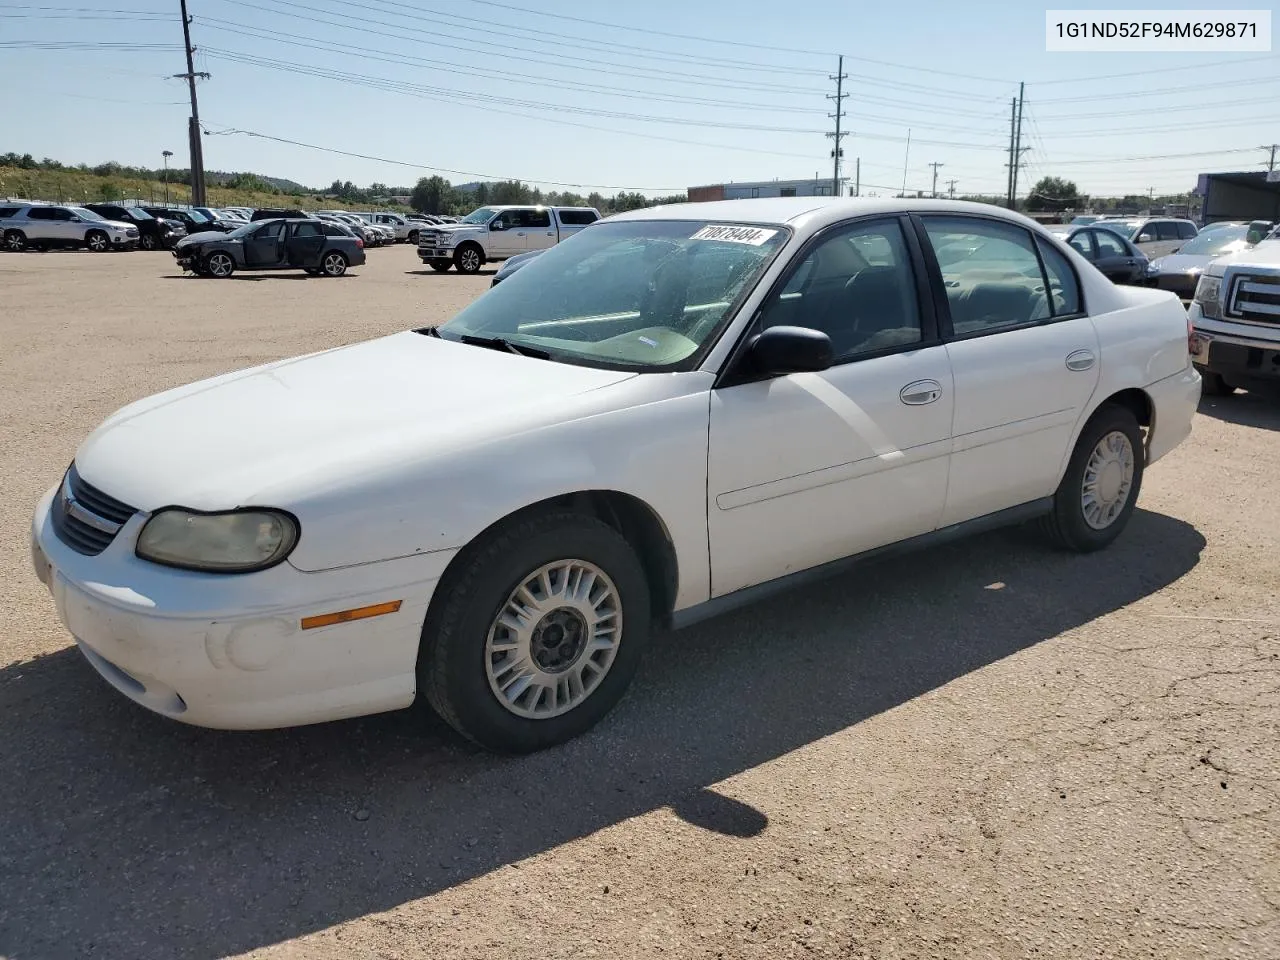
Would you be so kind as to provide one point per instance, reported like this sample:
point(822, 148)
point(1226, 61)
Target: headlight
point(1208, 292)
point(235, 542)
point(1153, 267)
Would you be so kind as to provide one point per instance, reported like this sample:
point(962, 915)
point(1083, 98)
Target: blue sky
point(528, 89)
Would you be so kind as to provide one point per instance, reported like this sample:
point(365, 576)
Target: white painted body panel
point(397, 452)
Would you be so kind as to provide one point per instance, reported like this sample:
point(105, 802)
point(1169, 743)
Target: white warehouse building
point(812, 187)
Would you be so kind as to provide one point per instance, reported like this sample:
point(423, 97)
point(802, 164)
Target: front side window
point(991, 273)
point(269, 231)
point(1186, 230)
point(1167, 230)
point(858, 287)
point(636, 294)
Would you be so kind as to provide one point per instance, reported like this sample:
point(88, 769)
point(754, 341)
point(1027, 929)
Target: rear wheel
point(334, 264)
point(97, 241)
point(15, 241)
point(537, 634)
point(1212, 384)
point(1100, 488)
point(219, 265)
point(468, 259)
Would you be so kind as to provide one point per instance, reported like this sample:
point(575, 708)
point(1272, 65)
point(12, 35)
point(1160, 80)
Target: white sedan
point(677, 410)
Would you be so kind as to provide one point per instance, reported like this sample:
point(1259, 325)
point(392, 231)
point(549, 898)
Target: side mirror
point(782, 350)
point(75, 219)
point(497, 225)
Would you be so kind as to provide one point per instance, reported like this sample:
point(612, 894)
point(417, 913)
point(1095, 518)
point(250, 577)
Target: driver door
point(264, 247)
point(305, 243)
point(506, 235)
point(806, 468)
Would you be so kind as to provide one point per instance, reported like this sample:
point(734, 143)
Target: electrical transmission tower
point(837, 149)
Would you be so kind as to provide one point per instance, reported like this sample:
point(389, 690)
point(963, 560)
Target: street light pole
point(166, 154)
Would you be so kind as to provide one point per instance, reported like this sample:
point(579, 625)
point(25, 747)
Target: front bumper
point(1235, 358)
point(228, 651)
point(435, 253)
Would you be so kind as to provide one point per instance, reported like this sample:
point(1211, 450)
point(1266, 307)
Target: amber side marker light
point(346, 616)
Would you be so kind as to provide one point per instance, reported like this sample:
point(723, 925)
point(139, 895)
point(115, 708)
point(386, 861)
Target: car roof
point(814, 211)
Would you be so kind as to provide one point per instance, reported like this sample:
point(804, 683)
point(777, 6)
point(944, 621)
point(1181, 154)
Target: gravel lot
point(991, 750)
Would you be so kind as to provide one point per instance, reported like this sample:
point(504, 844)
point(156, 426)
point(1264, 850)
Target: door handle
point(920, 392)
point(1079, 360)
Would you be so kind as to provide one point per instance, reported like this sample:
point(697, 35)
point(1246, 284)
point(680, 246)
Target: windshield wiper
point(498, 343)
point(430, 332)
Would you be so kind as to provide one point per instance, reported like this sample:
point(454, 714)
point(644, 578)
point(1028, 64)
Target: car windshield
point(479, 216)
point(244, 230)
point(197, 216)
point(1083, 220)
point(634, 295)
point(139, 214)
point(84, 214)
point(1123, 227)
point(1216, 242)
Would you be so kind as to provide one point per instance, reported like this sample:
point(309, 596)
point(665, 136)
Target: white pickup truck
point(499, 232)
point(1236, 318)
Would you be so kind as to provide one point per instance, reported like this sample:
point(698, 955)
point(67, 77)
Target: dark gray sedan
point(1113, 254)
point(321, 249)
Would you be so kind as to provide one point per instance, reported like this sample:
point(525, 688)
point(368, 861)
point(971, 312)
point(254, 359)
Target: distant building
point(814, 187)
point(1247, 195)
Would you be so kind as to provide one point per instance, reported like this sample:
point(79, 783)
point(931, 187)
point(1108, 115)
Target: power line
point(420, 166)
point(1179, 91)
point(1183, 68)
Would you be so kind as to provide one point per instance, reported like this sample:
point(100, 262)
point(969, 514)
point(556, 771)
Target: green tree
point(431, 195)
point(108, 191)
point(1052, 193)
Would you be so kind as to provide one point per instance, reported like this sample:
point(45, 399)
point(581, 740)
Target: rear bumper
point(1174, 400)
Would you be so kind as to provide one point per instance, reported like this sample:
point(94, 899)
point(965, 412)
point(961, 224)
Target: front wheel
point(334, 264)
point(97, 241)
point(441, 266)
point(1100, 488)
point(413, 237)
point(469, 259)
point(148, 242)
point(219, 265)
point(537, 634)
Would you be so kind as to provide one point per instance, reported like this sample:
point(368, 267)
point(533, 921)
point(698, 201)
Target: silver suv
point(39, 226)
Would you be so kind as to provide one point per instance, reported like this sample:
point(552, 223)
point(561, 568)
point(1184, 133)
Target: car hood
point(116, 225)
point(204, 236)
point(1179, 263)
point(1265, 254)
point(273, 434)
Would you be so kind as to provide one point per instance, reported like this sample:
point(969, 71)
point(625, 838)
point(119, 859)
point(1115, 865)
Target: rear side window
point(574, 218)
point(991, 273)
point(1063, 287)
point(306, 229)
point(6, 212)
point(41, 213)
point(537, 218)
point(333, 230)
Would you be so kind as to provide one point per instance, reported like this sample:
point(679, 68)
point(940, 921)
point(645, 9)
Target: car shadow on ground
point(450, 273)
point(1259, 407)
point(256, 276)
point(129, 835)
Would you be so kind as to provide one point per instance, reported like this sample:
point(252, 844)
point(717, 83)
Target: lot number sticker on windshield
point(754, 236)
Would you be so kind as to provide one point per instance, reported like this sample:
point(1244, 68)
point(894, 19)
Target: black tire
point(219, 265)
point(334, 264)
point(441, 266)
point(148, 242)
point(468, 258)
point(1065, 524)
point(451, 669)
point(15, 241)
point(1212, 384)
point(97, 241)
point(413, 237)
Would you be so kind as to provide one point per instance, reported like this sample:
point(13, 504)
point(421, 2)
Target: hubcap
point(334, 264)
point(97, 242)
point(13, 242)
point(470, 261)
point(220, 265)
point(148, 243)
point(1108, 480)
point(554, 639)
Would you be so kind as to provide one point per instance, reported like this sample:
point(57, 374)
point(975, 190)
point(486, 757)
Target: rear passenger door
point(539, 232)
point(1024, 363)
point(305, 243)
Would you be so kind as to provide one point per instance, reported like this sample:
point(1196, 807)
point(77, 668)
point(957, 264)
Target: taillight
point(359, 244)
point(1191, 336)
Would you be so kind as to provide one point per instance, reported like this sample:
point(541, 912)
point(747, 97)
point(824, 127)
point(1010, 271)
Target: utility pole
point(906, 156)
point(1271, 164)
point(857, 177)
point(1013, 123)
point(1017, 150)
point(837, 151)
point(193, 125)
point(166, 154)
point(951, 189)
point(935, 166)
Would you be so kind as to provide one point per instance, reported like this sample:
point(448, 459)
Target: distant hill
point(222, 178)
